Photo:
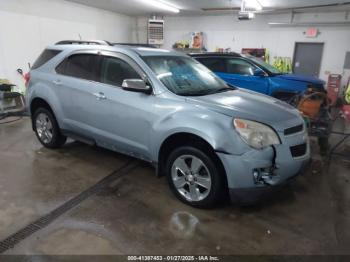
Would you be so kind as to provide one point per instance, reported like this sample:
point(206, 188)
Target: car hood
point(301, 78)
point(252, 106)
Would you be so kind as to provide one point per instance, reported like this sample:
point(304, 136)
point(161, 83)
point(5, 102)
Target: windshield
point(185, 76)
point(265, 65)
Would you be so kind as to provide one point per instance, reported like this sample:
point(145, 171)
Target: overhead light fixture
point(162, 5)
point(245, 14)
point(255, 4)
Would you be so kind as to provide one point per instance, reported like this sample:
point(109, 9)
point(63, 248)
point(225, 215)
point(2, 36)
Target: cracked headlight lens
point(255, 134)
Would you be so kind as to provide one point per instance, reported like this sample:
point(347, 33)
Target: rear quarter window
point(83, 66)
point(45, 56)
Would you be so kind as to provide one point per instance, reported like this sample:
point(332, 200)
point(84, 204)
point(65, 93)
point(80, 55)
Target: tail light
point(26, 79)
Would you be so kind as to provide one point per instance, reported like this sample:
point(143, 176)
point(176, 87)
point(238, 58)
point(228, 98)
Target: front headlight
point(255, 134)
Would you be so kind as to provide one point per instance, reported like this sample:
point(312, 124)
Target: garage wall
point(26, 27)
point(226, 31)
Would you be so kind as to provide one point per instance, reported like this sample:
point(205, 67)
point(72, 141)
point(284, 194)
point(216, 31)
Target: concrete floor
point(137, 214)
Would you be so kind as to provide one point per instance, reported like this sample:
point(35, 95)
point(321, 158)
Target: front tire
point(195, 177)
point(47, 129)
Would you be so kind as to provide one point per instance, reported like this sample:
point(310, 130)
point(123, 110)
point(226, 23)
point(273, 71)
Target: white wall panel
point(226, 31)
point(28, 26)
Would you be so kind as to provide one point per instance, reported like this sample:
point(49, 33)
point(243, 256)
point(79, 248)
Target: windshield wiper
point(205, 93)
point(220, 90)
point(231, 86)
point(192, 93)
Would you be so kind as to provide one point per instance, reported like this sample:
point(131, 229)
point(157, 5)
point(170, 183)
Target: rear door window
point(215, 64)
point(83, 66)
point(45, 56)
point(61, 68)
point(115, 70)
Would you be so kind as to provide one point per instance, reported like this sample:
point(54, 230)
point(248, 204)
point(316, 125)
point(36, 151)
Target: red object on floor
point(333, 87)
point(346, 111)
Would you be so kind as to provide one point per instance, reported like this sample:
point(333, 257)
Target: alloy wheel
point(44, 128)
point(191, 178)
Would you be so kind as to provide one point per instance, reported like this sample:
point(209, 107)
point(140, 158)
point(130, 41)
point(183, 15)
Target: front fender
point(215, 128)
point(285, 85)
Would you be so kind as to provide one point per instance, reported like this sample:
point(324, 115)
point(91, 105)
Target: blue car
point(252, 73)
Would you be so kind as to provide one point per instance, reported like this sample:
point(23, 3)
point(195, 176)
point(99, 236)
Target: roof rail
point(136, 45)
point(83, 42)
point(216, 54)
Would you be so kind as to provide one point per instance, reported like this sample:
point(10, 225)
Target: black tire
point(58, 140)
point(217, 191)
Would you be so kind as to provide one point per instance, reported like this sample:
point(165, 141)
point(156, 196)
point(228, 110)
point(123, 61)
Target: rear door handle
point(100, 96)
point(57, 82)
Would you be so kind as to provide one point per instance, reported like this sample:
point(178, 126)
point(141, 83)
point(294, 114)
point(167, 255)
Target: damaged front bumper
point(256, 194)
point(257, 173)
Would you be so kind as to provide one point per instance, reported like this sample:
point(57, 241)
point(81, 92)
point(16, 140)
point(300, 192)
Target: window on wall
point(240, 67)
point(114, 71)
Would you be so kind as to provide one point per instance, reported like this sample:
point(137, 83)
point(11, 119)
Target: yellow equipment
point(347, 94)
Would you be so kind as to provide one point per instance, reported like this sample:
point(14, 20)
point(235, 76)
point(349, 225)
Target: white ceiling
point(195, 7)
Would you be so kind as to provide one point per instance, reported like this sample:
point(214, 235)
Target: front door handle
point(100, 96)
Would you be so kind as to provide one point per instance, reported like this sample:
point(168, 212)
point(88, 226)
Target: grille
point(293, 130)
point(298, 151)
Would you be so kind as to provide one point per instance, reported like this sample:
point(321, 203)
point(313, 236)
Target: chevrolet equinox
point(209, 139)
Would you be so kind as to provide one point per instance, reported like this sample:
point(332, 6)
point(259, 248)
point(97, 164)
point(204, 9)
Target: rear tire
point(47, 129)
point(194, 177)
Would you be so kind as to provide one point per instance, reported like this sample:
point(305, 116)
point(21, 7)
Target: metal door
point(307, 58)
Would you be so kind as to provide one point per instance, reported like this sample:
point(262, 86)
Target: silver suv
point(210, 139)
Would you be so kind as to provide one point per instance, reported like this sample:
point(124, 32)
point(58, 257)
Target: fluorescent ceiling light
point(162, 5)
point(251, 16)
point(253, 4)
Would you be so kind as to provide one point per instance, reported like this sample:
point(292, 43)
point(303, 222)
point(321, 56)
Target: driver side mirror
point(136, 85)
point(259, 72)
